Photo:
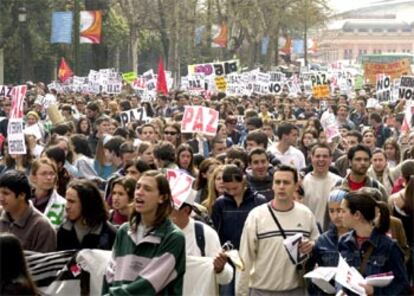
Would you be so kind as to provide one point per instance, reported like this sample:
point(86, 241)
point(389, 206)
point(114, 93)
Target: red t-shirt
point(354, 186)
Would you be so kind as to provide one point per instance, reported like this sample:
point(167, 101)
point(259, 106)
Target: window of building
point(391, 30)
point(362, 30)
point(377, 30)
point(407, 29)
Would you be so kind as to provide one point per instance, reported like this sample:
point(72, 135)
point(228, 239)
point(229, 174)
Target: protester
point(15, 277)
point(86, 224)
point(150, 240)
point(122, 195)
point(368, 239)
point(268, 266)
point(45, 198)
point(19, 217)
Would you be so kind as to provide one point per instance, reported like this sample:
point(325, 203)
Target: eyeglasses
point(170, 133)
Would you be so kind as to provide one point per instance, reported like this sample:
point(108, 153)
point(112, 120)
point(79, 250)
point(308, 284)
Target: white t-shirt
point(293, 156)
point(317, 193)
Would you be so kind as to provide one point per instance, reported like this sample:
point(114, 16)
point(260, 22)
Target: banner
point(219, 35)
point(62, 22)
point(90, 26)
point(18, 94)
point(138, 114)
point(215, 69)
point(181, 185)
point(197, 119)
point(15, 136)
point(393, 69)
point(320, 87)
point(129, 77)
point(383, 89)
point(406, 90)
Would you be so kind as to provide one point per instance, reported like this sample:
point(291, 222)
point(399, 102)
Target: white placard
point(198, 119)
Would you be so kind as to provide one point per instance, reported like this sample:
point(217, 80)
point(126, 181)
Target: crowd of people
point(90, 180)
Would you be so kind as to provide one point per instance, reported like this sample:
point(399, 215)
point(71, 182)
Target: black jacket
point(67, 239)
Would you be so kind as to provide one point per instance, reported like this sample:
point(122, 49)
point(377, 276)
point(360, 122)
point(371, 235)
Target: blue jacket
point(386, 257)
point(325, 253)
point(228, 219)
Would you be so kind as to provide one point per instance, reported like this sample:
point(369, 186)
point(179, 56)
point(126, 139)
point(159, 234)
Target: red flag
point(161, 80)
point(64, 71)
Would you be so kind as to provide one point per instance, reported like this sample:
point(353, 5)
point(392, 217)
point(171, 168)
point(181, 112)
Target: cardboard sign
point(129, 76)
point(138, 114)
point(220, 83)
point(197, 119)
point(406, 90)
point(215, 69)
point(329, 124)
point(181, 185)
point(18, 94)
point(393, 69)
point(5, 91)
point(320, 87)
point(383, 89)
point(15, 136)
point(275, 88)
point(359, 82)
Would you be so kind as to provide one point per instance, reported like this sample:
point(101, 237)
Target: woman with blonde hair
point(215, 188)
point(44, 177)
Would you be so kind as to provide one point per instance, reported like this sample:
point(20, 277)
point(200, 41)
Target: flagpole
point(76, 37)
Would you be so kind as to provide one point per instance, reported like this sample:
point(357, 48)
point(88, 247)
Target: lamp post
point(22, 17)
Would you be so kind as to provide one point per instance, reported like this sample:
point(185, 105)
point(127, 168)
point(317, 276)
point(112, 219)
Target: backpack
point(200, 239)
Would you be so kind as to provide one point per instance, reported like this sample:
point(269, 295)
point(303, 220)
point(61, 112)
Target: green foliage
point(116, 29)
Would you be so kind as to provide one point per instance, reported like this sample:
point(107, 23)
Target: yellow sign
point(394, 69)
point(320, 91)
point(221, 84)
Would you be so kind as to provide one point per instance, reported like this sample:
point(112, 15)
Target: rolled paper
point(54, 114)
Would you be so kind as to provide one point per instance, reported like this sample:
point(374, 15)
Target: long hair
point(164, 209)
point(212, 192)
point(185, 147)
point(13, 264)
point(407, 171)
point(364, 203)
point(392, 142)
point(93, 207)
point(201, 181)
point(78, 124)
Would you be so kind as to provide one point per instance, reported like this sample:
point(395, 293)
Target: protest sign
point(383, 89)
point(393, 69)
point(181, 185)
point(406, 90)
point(275, 87)
point(5, 91)
point(129, 76)
point(15, 136)
point(17, 94)
point(359, 82)
point(197, 119)
point(348, 277)
point(329, 124)
point(320, 87)
point(215, 69)
point(220, 83)
point(138, 114)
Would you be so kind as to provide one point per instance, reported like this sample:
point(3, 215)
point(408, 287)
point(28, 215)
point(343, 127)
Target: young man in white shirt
point(207, 246)
point(269, 269)
point(319, 183)
point(285, 149)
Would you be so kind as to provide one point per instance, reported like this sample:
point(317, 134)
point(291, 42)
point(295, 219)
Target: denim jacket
point(325, 253)
point(385, 257)
point(228, 219)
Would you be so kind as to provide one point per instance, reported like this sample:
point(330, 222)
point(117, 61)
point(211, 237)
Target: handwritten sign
point(181, 185)
point(197, 119)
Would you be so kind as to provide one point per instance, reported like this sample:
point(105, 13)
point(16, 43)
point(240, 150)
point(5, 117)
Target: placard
point(383, 89)
point(181, 185)
point(138, 114)
point(406, 90)
point(320, 87)
point(198, 119)
point(15, 136)
point(215, 69)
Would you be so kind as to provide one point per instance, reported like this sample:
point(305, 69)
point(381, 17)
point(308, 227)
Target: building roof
point(369, 24)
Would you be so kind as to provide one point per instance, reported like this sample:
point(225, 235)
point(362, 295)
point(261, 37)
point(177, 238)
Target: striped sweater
point(154, 265)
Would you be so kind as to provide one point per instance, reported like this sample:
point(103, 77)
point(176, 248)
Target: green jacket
point(154, 265)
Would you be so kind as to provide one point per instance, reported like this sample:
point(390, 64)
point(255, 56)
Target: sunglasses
point(170, 133)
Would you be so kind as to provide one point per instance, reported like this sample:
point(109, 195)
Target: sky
point(342, 5)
